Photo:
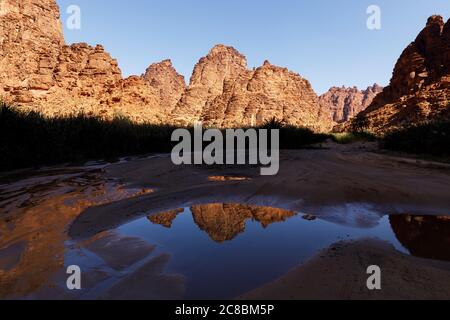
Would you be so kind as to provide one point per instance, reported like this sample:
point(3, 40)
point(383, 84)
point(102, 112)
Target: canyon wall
point(420, 86)
point(39, 72)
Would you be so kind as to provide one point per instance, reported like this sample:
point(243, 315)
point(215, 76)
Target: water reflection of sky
point(221, 250)
point(253, 257)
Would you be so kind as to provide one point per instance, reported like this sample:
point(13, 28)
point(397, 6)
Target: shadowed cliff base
point(419, 89)
point(30, 139)
point(428, 139)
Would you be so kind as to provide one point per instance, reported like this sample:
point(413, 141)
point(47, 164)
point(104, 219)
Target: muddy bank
point(339, 273)
point(323, 183)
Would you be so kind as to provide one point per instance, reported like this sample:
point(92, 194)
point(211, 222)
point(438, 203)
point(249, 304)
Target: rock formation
point(344, 103)
point(170, 85)
point(420, 85)
point(222, 65)
point(30, 41)
point(38, 71)
point(223, 92)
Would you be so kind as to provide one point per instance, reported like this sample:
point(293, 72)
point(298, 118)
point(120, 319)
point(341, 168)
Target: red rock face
point(221, 66)
point(344, 103)
point(39, 72)
point(164, 78)
point(30, 40)
point(420, 85)
point(224, 93)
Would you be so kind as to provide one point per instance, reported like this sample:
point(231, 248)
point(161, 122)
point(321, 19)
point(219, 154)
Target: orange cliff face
point(420, 86)
point(39, 72)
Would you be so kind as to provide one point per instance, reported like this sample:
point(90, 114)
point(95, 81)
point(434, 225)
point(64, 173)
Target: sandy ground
point(310, 181)
point(340, 273)
point(314, 182)
point(318, 183)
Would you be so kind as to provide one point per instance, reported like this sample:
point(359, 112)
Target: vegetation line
point(29, 139)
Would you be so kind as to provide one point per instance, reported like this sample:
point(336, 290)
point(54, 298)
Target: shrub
point(428, 139)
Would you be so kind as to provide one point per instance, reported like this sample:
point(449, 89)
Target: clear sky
point(326, 41)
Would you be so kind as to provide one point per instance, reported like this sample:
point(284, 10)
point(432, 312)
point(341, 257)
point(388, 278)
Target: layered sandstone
point(424, 236)
point(420, 85)
point(222, 65)
point(30, 41)
point(39, 72)
point(169, 84)
point(223, 92)
point(344, 103)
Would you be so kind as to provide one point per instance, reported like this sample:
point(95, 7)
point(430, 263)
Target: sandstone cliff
point(39, 72)
point(222, 64)
point(223, 92)
point(224, 222)
point(420, 85)
point(344, 103)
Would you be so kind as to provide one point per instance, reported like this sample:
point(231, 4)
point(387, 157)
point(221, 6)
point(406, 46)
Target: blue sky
point(325, 41)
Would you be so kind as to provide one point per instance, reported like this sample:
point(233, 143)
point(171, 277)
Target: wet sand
point(339, 273)
point(315, 182)
point(48, 219)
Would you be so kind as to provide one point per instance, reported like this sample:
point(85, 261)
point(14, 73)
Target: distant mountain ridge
point(344, 104)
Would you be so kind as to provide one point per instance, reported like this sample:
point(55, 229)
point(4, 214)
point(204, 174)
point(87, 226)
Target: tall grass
point(428, 139)
point(292, 137)
point(29, 139)
point(351, 137)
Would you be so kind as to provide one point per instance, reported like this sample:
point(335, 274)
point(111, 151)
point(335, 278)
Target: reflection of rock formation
point(165, 219)
point(424, 236)
point(34, 217)
point(223, 222)
point(38, 71)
